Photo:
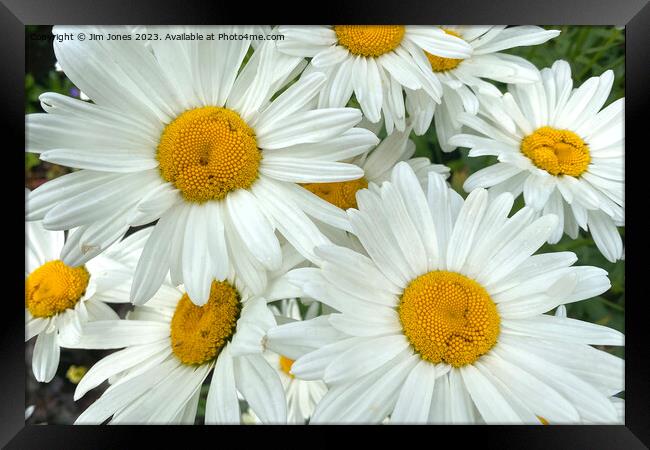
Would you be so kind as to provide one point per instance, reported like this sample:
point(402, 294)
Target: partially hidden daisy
point(187, 134)
point(377, 165)
point(375, 62)
point(170, 346)
point(302, 396)
point(445, 321)
point(555, 144)
point(60, 299)
point(461, 78)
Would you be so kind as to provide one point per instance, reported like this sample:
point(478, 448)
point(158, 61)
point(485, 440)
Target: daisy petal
point(45, 359)
point(222, 406)
point(542, 399)
point(107, 334)
point(494, 408)
point(310, 126)
point(297, 170)
point(563, 329)
point(254, 228)
point(364, 358)
point(414, 400)
point(261, 387)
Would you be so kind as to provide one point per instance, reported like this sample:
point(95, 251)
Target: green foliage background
point(589, 50)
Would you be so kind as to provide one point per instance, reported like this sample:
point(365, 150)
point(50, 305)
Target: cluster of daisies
point(290, 266)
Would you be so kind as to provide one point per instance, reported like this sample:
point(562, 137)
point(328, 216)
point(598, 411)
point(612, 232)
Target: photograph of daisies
point(342, 224)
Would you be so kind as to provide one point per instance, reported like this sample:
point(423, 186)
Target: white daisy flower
point(169, 348)
point(177, 133)
point(556, 145)
point(445, 322)
point(302, 396)
point(462, 77)
point(59, 298)
point(376, 165)
point(375, 62)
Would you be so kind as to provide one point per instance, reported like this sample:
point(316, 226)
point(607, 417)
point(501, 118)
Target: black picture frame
point(633, 14)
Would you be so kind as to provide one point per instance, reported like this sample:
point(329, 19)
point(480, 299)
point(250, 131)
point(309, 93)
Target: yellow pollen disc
point(440, 64)
point(76, 373)
point(448, 317)
point(208, 152)
point(559, 152)
point(54, 287)
point(198, 333)
point(369, 40)
point(543, 420)
point(341, 194)
point(285, 365)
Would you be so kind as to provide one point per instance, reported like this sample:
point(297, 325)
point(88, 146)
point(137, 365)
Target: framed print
point(311, 226)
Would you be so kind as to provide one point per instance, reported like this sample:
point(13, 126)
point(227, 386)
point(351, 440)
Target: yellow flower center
point(208, 152)
point(440, 64)
point(369, 40)
point(76, 373)
point(285, 365)
point(543, 420)
point(198, 333)
point(559, 152)
point(54, 287)
point(341, 194)
point(448, 317)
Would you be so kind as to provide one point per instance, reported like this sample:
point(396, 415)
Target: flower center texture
point(285, 365)
point(559, 152)
point(341, 194)
point(449, 318)
point(54, 287)
point(208, 152)
point(440, 64)
point(198, 333)
point(369, 40)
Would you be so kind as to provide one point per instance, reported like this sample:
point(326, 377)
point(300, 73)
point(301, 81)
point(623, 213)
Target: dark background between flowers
point(589, 50)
